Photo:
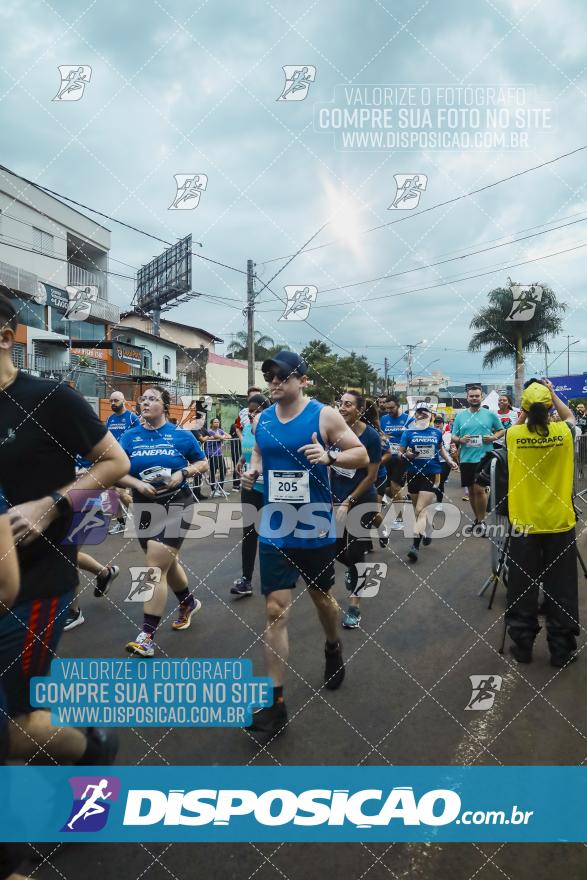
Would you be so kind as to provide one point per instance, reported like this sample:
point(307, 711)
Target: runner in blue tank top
point(296, 441)
point(393, 424)
point(423, 448)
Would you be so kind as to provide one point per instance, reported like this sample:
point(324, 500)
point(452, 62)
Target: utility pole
point(386, 373)
point(250, 323)
point(409, 374)
point(545, 361)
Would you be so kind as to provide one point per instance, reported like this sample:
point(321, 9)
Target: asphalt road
point(403, 702)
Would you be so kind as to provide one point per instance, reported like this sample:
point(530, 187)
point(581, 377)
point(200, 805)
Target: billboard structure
point(165, 281)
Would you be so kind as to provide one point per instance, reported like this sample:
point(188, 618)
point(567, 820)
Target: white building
point(45, 245)
point(431, 384)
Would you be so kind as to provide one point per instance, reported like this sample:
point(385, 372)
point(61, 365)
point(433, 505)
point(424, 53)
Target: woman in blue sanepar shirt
point(423, 448)
point(162, 458)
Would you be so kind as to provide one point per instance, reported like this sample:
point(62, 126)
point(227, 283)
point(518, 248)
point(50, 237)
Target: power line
point(210, 296)
point(449, 260)
point(119, 222)
point(55, 235)
point(412, 214)
point(450, 281)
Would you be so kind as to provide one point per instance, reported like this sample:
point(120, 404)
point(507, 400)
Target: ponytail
point(537, 419)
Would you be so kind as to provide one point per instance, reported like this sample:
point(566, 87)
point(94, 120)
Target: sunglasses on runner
point(280, 375)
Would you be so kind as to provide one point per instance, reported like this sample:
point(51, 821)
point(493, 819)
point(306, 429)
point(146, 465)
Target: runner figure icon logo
point(80, 302)
point(144, 580)
point(300, 299)
point(525, 299)
point(92, 796)
point(74, 79)
point(297, 82)
point(370, 575)
point(484, 690)
point(189, 188)
point(91, 516)
point(409, 188)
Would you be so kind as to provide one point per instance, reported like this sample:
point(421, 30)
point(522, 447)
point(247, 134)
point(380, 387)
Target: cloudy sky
point(182, 87)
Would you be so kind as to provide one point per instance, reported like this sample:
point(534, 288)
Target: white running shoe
point(142, 646)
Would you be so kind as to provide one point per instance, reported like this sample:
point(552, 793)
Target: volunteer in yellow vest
point(542, 547)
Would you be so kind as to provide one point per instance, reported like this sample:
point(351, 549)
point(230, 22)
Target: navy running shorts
point(280, 567)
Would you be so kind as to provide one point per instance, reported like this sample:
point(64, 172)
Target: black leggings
point(217, 465)
point(444, 475)
point(351, 549)
point(250, 536)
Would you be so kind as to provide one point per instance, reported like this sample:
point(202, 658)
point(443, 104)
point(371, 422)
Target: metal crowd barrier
point(498, 529)
point(223, 476)
point(580, 476)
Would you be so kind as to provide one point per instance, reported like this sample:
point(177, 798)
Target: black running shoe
point(102, 746)
point(104, 580)
point(559, 661)
point(270, 721)
point(521, 653)
point(413, 553)
point(426, 540)
point(334, 668)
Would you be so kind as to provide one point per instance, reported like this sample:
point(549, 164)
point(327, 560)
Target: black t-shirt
point(44, 425)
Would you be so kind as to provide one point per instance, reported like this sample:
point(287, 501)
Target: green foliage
point(508, 340)
point(265, 347)
point(331, 375)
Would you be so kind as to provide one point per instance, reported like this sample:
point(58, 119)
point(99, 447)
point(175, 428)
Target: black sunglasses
point(282, 375)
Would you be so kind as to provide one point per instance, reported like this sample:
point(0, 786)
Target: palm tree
point(510, 340)
point(238, 347)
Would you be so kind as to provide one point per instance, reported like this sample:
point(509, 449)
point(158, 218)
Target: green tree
point(264, 346)
point(331, 375)
point(512, 340)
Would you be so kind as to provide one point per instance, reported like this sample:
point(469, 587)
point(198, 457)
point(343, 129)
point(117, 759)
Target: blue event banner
point(311, 803)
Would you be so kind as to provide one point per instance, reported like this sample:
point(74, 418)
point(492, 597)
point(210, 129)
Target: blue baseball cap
point(288, 361)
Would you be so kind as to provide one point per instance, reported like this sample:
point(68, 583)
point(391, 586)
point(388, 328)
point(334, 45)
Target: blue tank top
point(287, 474)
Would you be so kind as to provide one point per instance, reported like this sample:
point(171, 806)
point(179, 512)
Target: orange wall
point(20, 335)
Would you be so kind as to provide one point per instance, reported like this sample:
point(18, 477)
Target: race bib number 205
point(289, 486)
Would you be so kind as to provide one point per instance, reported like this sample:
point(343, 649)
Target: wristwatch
point(332, 456)
point(62, 503)
point(185, 473)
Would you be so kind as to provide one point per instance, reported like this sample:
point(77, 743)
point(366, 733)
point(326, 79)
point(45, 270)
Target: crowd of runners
point(326, 484)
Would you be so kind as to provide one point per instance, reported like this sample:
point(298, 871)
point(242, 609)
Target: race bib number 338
point(289, 486)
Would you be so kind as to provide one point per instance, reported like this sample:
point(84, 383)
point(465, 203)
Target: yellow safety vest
point(540, 478)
